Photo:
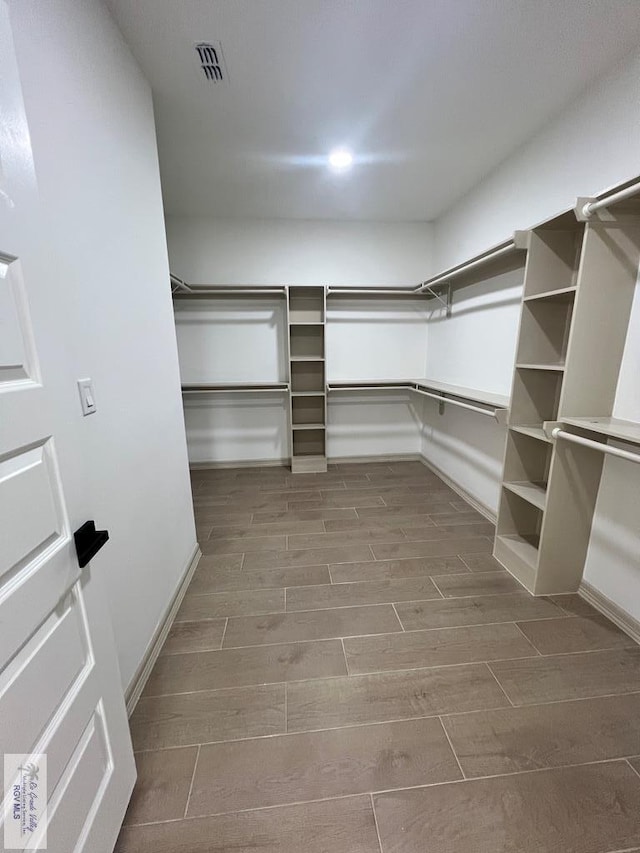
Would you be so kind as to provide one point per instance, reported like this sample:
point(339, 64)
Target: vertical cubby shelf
point(580, 281)
point(546, 320)
point(306, 310)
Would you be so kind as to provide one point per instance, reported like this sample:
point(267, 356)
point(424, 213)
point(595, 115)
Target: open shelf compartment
point(306, 305)
point(536, 396)
point(307, 341)
point(307, 410)
point(544, 333)
point(518, 536)
point(309, 442)
point(307, 376)
point(553, 259)
point(526, 468)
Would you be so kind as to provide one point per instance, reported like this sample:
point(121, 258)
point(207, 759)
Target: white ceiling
point(429, 94)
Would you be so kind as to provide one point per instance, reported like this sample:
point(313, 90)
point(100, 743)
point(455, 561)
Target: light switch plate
point(87, 396)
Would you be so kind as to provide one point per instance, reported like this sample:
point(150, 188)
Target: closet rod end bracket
point(549, 427)
point(582, 209)
point(521, 239)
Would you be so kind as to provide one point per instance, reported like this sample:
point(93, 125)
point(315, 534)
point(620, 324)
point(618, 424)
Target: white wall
point(227, 251)
point(613, 560)
point(363, 340)
point(475, 348)
point(91, 119)
point(589, 147)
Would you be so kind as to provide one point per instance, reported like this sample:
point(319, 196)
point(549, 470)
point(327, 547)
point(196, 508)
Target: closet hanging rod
point(558, 432)
point(590, 207)
point(211, 292)
point(356, 386)
point(371, 291)
point(513, 245)
point(237, 388)
point(494, 413)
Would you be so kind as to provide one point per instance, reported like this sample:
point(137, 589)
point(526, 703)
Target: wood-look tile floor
point(352, 672)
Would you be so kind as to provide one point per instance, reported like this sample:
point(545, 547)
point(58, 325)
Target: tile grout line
point(224, 631)
point(455, 754)
point(398, 618)
point(531, 643)
point(346, 660)
point(403, 720)
point(635, 770)
point(537, 656)
point(442, 596)
point(383, 791)
point(508, 698)
point(193, 777)
point(375, 822)
point(286, 709)
point(356, 675)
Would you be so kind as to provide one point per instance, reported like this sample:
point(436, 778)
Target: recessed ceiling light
point(340, 159)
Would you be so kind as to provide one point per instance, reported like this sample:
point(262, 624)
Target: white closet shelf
point(466, 271)
point(558, 368)
point(488, 398)
point(234, 387)
point(609, 427)
point(534, 493)
point(371, 385)
point(442, 392)
point(306, 358)
point(385, 292)
point(532, 431)
point(524, 547)
point(560, 295)
point(308, 426)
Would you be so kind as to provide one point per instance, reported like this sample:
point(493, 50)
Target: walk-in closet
point(320, 426)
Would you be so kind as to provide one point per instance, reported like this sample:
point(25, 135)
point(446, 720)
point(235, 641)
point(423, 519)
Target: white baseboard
point(137, 684)
point(489, 514)
point(389, 457)
point(240, 463)
point(277, 463)
point(612, 611)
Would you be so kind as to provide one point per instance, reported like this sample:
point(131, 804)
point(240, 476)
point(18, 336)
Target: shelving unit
point(579, 276)
point(550, 287)
point(306, 316)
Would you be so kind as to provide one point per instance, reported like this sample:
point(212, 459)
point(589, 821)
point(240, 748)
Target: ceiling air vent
point(212, 61)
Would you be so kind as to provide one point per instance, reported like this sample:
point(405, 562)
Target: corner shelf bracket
point(444, 288)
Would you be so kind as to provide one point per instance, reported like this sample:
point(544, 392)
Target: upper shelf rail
point(373, 291)
point(518, 243)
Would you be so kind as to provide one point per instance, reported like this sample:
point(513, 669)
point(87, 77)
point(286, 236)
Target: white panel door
point(60, 690)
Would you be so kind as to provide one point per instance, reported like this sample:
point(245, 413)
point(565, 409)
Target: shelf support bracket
point(446, 302)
